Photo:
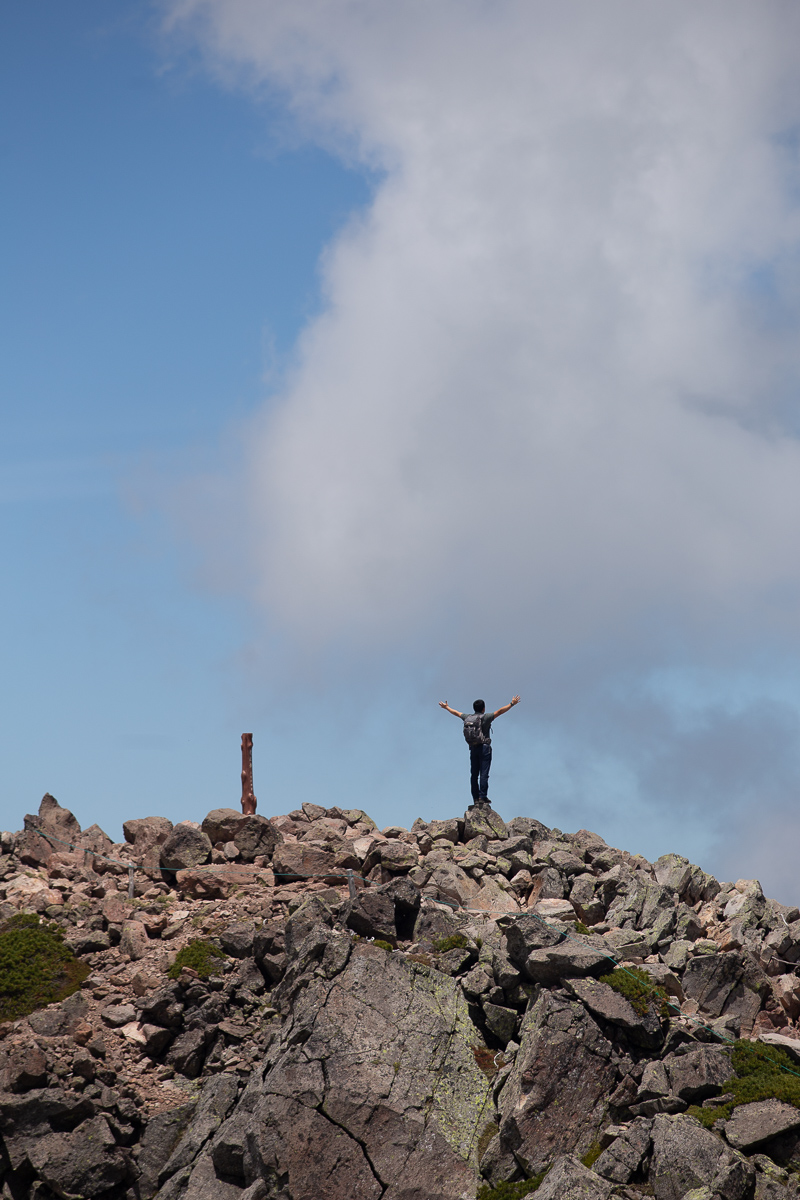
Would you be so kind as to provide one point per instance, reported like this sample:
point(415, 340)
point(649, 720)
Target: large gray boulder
point(567, 960)
point(687, 1156)
point(754, 1124)
point(186, 846)
point(555, 1099)
point(603, 1002)
point(371, 1090)
point(569, 1179)
point(699, 1074)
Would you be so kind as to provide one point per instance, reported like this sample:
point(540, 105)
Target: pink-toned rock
point(293, 861)
point(216, 882)
point(145, 832)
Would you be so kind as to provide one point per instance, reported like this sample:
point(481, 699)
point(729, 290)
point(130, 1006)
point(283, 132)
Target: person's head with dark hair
point(479, 706)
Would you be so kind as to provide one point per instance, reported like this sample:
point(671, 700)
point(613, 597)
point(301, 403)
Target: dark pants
point(480, 759)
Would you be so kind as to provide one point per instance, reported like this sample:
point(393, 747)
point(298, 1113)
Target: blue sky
point(359, 357)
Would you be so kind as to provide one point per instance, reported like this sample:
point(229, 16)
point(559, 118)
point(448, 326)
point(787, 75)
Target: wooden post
point(248, 798)
point(130, 881)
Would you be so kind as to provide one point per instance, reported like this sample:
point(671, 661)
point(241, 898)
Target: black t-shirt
point(486, 724)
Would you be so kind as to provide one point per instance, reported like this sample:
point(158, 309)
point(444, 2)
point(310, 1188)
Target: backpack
point(473, 730)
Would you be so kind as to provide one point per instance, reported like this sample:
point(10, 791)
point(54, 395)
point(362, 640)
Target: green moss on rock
point(638, 989)
point(201, 956)
point(512, 1191)
point(762, 1073)
point(36, 967)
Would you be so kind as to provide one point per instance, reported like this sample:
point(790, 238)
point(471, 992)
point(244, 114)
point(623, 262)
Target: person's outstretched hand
point(442, 704)
point(515, 700)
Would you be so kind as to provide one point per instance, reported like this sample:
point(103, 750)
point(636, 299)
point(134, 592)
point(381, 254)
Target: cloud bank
point(548, 415)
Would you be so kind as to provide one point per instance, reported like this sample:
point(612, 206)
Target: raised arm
point(506, 707)
point(443, 704)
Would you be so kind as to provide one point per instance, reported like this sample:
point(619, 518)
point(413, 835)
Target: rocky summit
point(305, 1006)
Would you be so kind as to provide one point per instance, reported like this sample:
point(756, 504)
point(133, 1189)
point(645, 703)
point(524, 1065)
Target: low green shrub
point(202, 956)
point(762, 1073)
point(592, 1154)
point(581, 928)
point(511, 1191)
point(638, 989)
point(456, 941)
point(36, 967)
point(383, 945)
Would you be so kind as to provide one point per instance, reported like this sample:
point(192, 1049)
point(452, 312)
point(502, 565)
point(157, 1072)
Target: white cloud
point(557, 362)
point(555, 379)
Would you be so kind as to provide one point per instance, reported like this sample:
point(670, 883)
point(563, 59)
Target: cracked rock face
point(372, 1089)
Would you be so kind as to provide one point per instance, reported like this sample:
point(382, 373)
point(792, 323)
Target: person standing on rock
point(478, 736)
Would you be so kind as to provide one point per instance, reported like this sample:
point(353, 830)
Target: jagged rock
point(339, 1133)
point(663, 977)
point(699, 1073)
point(554, 1101)
point(185, 847)
point(134, 941)
point(710, 978)
point(528, 827)
point(527, 933)
point(297, 860)
point(565, 961)
point(208, 883)
point(25, 1069)
point(88, 941)
point(500, 1021)
point(686, 1156)
point(449, 882)
point(620, 1161)
point(86, 1161)
point(371, 915)
point(146, 832)
point(789, 1044)
point(569, 1179)
point(406, 897)
point(255, 835)
point(213, 1106)
point(310, 913)
point(188, 1051)
point(602, 1001)
point(161, 1135)
point(237, 940)
point(483, 823)
point(752, 1125)
point(162, 1007)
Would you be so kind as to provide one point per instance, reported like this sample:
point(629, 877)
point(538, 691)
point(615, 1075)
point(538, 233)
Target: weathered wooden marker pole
point(248, 798)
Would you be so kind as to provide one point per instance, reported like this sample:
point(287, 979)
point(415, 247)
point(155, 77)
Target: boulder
point(146, 832)
point(26, 1068)
point(620, 1161)
point(569, 1179)
point(255, 836)
point(185, 847)
point(710, 978)
point(555, 1099)
point(117, 1015)
point(406, 897)
point(207, 883)
point(604, 1002)
point(527, 933)
point(751, 1125)
point(699, 1074)
point(221, 824)
point(237, 939)
point(292, 861)
point(500, 1021)
point(380, 1043)
point(565, 961)
point(371, 914)
point(134, 942)
point(483, 822)
point(686, 1156)
point(160, 1137)
point(85, 1162)
point(188, 1051)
